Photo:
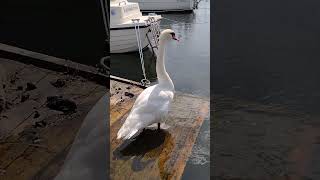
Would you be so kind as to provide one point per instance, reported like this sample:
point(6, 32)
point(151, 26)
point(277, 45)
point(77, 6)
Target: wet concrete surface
point(144, 142)
point(149, 140)
point(198, 166)
point(265, 90)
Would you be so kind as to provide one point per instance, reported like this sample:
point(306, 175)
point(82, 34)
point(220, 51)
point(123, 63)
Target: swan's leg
point(158, 126)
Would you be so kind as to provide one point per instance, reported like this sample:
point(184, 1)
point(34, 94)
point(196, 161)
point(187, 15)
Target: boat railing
point(122, 2)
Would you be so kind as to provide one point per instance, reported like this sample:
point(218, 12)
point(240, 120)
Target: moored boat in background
point(126, 21)
point(166, 5)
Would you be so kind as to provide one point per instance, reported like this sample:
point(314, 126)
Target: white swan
point(152, 105)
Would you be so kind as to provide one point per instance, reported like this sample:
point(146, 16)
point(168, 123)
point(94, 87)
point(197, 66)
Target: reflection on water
point(261, 58)
point(266, 70)
point(128, 65)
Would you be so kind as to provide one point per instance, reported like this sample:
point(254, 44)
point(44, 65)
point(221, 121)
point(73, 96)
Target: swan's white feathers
point(150, 107)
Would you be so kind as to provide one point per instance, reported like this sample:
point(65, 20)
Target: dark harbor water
point(265, 81)
point(188, 63)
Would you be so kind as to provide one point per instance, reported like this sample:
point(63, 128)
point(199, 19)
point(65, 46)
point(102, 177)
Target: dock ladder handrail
point(154, 29)
point(196, 4)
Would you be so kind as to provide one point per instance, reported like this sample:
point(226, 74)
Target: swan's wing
point(156, 101)
point(132, 123)
point(143, 96)
point(150, 109)
point(150, 105)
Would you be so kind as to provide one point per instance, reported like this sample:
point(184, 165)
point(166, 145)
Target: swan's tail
point(126, 133)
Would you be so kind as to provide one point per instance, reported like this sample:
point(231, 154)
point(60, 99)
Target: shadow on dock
point(149, 147)
point(146, 141)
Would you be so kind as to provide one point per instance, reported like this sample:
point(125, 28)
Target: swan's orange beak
point(174, 37)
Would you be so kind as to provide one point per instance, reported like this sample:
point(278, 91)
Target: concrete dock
point(154, 155)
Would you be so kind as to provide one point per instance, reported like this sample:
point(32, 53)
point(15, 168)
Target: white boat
point(166, 5)
point(123, 33)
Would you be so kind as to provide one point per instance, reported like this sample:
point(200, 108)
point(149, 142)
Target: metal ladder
point(196, 4)
point(155, 32)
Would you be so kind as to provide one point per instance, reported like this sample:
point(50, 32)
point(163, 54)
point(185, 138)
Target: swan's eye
point(174, 36)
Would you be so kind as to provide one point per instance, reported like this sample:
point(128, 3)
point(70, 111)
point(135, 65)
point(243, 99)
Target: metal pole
point(105, 15)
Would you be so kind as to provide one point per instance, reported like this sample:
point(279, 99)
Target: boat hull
point(124, 40)
point(124, 18)
point(165, 5)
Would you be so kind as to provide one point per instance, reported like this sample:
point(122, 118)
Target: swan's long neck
point(163, 76)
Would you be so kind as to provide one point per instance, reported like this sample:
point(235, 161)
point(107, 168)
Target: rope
point(144, 81)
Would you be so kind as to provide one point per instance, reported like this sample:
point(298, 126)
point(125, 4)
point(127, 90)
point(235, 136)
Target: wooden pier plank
point(18, 75)
point(20, 156)
point(120, 101)
point(155, 155)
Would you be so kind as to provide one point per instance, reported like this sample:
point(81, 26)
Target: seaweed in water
point(59, 104)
